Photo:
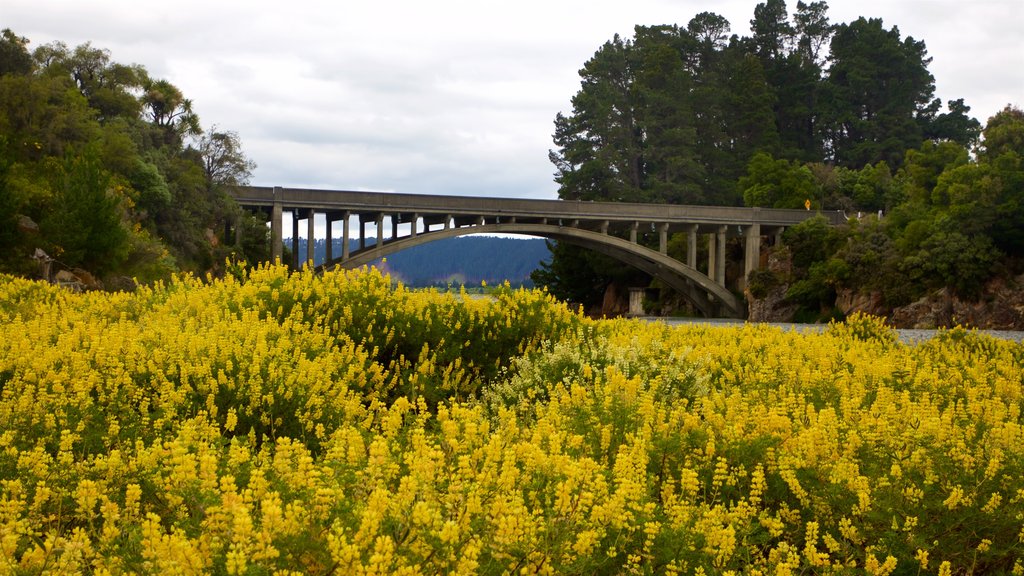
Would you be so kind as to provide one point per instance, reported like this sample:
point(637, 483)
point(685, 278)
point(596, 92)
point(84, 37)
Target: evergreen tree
point(878, 94)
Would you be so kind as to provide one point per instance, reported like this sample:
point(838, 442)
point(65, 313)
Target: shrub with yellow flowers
point(278, 423)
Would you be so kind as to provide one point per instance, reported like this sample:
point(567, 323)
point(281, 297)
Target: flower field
point(292, 424)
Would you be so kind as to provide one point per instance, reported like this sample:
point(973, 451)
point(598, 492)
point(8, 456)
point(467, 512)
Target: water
point(906, 335)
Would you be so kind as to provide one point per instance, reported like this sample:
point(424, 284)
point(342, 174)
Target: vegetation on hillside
point(279, 423)
point(106, 168)
point(842, 115)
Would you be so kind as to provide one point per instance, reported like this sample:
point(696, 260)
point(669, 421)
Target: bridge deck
point(407, 205)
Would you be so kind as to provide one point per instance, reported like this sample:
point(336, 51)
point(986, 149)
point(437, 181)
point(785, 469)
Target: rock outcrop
point(772, 305)
point(1001, 307)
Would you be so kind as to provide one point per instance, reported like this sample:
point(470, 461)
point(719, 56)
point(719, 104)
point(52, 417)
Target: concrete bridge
point(401, 221)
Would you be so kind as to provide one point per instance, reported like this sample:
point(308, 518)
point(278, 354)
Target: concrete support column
point(752, 250)
point(636, 301)
point(276, 231)
point(712, 258)
point(362, 231)
point(345, 225)
point(310, 237)
point(663, 238)
point(691, 246)
point(380, 229)
point(632, 232)
point(328, 240)
point(447, 221)
point(603, 227)
point(394, 227)
point(415, 224)
point(295, 239)
point(720, 257)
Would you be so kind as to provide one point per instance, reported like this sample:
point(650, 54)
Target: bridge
point(401, 221)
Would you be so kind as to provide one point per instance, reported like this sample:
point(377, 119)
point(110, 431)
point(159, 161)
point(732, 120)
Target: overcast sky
point(442, 96)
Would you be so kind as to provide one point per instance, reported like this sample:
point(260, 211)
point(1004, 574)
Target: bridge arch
point(706, 295)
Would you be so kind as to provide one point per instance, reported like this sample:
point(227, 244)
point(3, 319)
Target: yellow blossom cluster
point(283, 423)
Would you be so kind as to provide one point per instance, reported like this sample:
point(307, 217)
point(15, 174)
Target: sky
point(447, 96)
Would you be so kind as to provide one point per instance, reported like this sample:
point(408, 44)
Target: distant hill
point(467, 260)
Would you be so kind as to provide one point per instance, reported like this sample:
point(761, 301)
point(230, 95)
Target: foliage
point(775, 183)
point(843, 115)
point(85, 225)
point(264, 425)
point(878, 92)
point(96, 152)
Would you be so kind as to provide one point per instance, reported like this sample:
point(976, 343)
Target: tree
point(772, 183)
point(223, 161)
point(955, 125)
point(598, 155)
point(1004, 133)
point(169, 110)
point(110, 88)
point(86, 225)
point(878, 92)
point(14, 56)
point(987, 197)
point(773, 35)
point(813, 30)
point(672, 172)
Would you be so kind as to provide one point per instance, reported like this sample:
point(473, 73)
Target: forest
point(841, 114)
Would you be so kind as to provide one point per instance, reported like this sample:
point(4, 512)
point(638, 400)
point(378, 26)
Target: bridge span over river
point(400, 221)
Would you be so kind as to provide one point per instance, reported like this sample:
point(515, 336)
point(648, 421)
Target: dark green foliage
point(8, 205)
point(572, 274)
point(14, 56)
point(775, 183)
point(949, 258)
point(810, 241)
point(95, 152)
point(695, 115)
point(85, 225)
point(955, 125)
point(761, 282)
point(878, 91)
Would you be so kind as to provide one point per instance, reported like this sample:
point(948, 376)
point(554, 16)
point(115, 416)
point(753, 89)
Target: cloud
point(452, 96)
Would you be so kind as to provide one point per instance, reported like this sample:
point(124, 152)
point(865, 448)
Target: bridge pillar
point(720, 257)
point(276, 231)
point(310, 237)
point(691, 246)
point(663, 238)
point(604, 227)
point(632, 232)
point(295, 239)
point(362, 231)
point(415, 224)
point(380, 229)
point(344, 235)
point(712, 258)
point(328, 241)
point(752, 250)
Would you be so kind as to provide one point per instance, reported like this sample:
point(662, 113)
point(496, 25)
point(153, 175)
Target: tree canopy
point(112, 165)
